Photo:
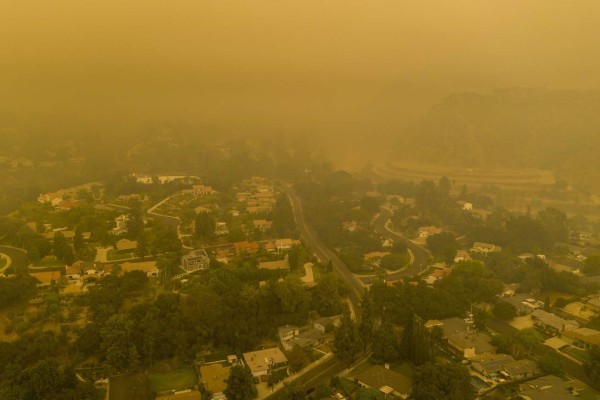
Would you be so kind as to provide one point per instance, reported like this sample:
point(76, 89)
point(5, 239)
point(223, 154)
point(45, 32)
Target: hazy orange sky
point(354, 67)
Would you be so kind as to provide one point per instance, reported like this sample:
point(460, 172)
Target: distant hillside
point(557, 130)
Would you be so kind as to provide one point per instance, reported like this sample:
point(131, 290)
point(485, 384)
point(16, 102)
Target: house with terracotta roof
point(245, 248)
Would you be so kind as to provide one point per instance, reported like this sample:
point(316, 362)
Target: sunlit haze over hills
point(345, 70)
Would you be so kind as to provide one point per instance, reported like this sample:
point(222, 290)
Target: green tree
point(322, 391)
point(592, 366)
point(368, 394)
point(504, 310)
point(415, 344)
point(117, 346)
point(167, 264)
point(447, 381)
point(294, 391)
point(480, 319)
point(443, 246)
point(365, 328)
point(370, 205)
point(240, 384)
point(78, 242)
point(550, 364)
point(346, 341)
point(528, 337)
point(385, 343)
point(142, 245)
point(205, 225)
point(59, 246)
point(135, 225)
point(592, 265)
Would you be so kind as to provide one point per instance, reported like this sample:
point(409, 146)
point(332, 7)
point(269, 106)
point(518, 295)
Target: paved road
point(18, 256)
point(311, 378)
point(355, 288)
point(421, 255)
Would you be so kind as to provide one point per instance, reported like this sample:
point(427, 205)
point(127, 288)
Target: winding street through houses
point(17, 258)
point(165, 219)
point(420, 259)
point(174, 222)
point(420, 254)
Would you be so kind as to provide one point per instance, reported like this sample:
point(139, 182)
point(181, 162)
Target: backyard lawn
point(184, 378)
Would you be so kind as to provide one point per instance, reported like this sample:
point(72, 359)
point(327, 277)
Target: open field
point(126, 387)
point(507, 178)
point(184, 378)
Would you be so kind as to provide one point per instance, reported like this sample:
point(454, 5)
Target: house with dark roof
point(520, 369)
point(547, 388)
point(386, 381)
point(471, 344)
point(491, 365)
point(551, 323)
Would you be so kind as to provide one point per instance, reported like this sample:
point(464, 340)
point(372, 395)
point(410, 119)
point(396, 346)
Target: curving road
point(356, 290)
point(18, 256)
point(421, 255)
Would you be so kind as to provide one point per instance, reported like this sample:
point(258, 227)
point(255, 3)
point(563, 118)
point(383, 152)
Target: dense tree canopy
point(446, 381)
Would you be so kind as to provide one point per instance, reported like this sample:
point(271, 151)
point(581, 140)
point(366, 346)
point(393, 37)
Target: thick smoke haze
point(347, 69)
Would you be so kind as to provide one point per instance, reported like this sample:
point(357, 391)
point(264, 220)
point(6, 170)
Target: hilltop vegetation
point(557, 130)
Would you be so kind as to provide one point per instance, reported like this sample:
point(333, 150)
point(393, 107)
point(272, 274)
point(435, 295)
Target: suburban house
point(594, 304)
point(426, 231)
point(263, 362)
point(148, 267)
point(262, 224)
point(491, 365)
point(471, 344)
point(308, 338)
point(202, 189)
point(374, 258)
point(551, 323)
point(437, 275)
point(584, 337)
point(53, 198)
point(245, 247)
point(275, 265)
point(120, 225)
point(259, 209)
point(286, 335)
point(221, 228)
point(350, 226)
point(214, 377)
point(548, 387)
point(466, 205)
point(485, 248)
point(325, 324)
point(46, 279)
point(520, 369)
point(432, 323)
point(462, 255)
point(126, 245)
point(284, 245)
point(65, 205)
point(386, 381)
point(195, 260)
